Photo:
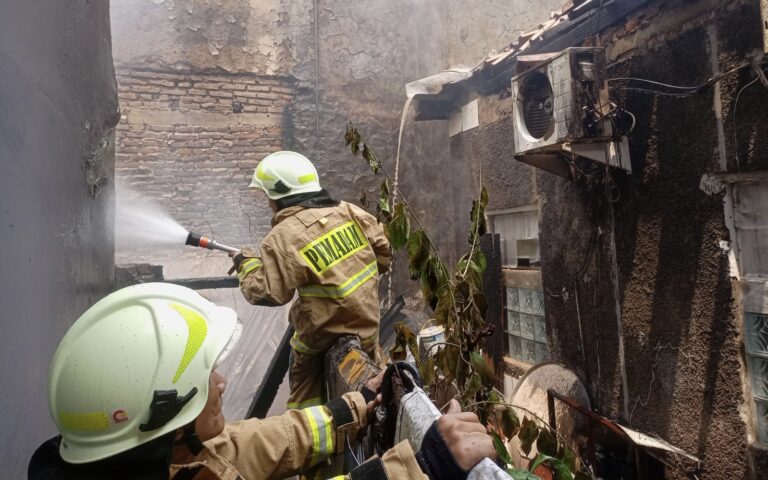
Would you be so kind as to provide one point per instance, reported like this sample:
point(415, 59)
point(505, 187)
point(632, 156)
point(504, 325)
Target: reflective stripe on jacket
point(333, 257)
point(282, 446)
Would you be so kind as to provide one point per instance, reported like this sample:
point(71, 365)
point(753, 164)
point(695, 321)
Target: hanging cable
point(735, 119)
point(686, 90)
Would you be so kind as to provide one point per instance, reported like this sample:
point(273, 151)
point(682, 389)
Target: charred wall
point(58, 109)
point(674, 305)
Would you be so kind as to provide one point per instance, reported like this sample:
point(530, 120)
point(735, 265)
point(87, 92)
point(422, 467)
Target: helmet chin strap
point(190, 439)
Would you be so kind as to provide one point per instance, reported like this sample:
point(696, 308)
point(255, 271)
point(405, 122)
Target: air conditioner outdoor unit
point(561, 112)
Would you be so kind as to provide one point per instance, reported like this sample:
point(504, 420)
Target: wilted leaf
point(470, 390)
point(352, 138)
point(444, 304)
point(418, 252)
point(546, 443)
point(477, 215)
point(483, 366)
point(528, 434)
point(397, 353)
point(510, 424)
point(451, 356)
point(369, 156)
point(582, 476)
point(399, 228)
point(501, 449)
point(481, 303)
point(427, 370)
point(404, 339)
point(383, 212)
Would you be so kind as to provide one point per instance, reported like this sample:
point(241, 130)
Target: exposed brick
point(197, 160)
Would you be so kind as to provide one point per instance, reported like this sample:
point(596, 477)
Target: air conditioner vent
point(560, 112)
point(537, 105)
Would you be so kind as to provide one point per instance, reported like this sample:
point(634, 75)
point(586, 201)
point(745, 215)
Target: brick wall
point(189, 142)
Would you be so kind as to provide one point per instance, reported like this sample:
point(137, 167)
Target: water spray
point(197, 240)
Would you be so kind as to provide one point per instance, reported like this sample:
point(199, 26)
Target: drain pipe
point(764, 21)
point(617, 306)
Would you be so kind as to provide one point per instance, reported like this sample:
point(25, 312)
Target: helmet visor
point(237, 333)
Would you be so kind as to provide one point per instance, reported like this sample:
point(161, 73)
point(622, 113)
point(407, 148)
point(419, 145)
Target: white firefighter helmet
point(134, 367)
point(285, 173)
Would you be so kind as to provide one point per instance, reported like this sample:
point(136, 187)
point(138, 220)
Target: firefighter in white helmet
point(134, 393)
point(331, 252)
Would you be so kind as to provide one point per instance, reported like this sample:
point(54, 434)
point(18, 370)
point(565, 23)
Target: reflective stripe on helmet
point(84, 421)
point(198, 329)
point(345, 289)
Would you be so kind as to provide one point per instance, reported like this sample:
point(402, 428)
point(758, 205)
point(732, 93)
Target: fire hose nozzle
point(197, 240)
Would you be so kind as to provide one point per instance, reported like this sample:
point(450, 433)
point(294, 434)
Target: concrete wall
point(674, 305)
point(58, 108)
point(345, 63)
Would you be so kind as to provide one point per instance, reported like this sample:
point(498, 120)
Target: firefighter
point(134, 393)
point(331, 252)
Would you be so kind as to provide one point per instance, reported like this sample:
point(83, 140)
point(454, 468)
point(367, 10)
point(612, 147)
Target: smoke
point(140, 223)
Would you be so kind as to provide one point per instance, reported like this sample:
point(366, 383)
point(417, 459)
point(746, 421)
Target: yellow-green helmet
point(285, 173)
point(134, 367)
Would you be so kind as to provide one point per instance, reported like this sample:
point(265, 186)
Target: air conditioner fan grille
point(538, 106)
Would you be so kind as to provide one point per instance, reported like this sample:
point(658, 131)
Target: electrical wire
point(735, 119)
point(687, 90)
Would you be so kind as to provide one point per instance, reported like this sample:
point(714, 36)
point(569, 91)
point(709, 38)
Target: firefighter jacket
point(272, 448)
point(333, 257)
point(282, 446)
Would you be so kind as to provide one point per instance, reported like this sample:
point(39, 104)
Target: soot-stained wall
point(345, 63)
point(58, 108)
point(673, 298)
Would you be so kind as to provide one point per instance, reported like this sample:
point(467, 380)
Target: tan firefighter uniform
point(279, 447)
point(333, 257)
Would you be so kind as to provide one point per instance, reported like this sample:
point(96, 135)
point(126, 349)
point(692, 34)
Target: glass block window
point(526, 327)
point(757, 353)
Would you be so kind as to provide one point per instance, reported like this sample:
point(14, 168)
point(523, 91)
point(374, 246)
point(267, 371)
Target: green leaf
point(510, 423)
point(528, 434)
point(470, 390)
point(546, 442)
point(518, 474)
point(540, 458)
point(501, 449)
point(567, 456)
point(562, 472)
point(383, 212)
point(399, 228)
point(483, 366)
point(418, 252)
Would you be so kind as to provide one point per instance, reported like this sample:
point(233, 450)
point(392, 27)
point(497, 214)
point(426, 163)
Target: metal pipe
point(197, 240)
